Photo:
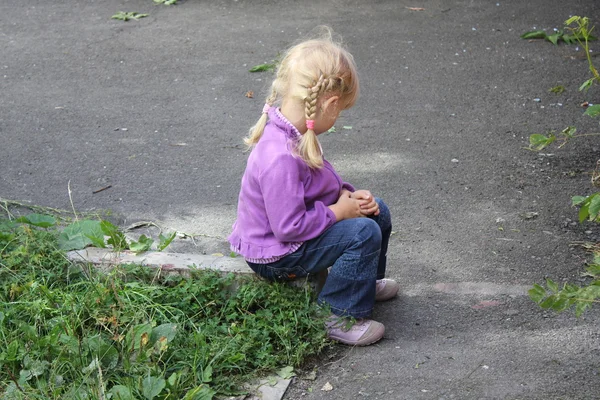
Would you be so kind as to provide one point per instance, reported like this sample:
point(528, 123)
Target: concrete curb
point(180, 263)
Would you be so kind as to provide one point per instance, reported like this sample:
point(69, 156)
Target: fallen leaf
point(249, 94)
point(416, 8)
point(585, 104)
point(327, 387)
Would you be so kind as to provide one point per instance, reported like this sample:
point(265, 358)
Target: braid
point(308, 147)
point(310, 101)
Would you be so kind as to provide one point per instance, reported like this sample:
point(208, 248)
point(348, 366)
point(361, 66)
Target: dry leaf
point(416, 8)
point(250, 94)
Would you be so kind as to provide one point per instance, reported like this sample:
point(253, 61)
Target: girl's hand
point(346, 207)
point(368, 205)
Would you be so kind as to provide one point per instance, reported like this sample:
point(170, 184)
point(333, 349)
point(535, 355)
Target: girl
point(295, 214)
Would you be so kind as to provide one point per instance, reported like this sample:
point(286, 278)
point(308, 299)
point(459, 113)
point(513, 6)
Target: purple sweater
point(282, 201)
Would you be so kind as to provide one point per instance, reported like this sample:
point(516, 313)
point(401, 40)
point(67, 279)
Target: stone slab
point(169, 262)
point(179, 263)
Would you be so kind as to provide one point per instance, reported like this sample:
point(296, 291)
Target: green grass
point(70, 332)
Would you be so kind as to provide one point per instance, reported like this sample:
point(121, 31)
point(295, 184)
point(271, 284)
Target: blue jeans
point(355, 249)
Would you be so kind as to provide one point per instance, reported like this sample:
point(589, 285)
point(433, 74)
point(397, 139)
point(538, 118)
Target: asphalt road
point(145, 119)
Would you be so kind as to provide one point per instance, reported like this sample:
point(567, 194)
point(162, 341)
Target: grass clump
point(68, 331)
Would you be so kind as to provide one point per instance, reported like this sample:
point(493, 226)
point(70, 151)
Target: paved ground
point(156, 109)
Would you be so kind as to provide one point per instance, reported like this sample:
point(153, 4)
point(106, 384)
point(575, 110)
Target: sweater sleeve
point(348, 187)
point(282, 187)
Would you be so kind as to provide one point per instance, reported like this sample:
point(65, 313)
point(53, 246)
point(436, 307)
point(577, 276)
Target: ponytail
point(309, 149)
point(255, 133)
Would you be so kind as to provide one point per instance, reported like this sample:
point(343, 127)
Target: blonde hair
point(307, 71)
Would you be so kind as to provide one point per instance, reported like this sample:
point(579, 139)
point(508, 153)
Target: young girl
point(295, 214)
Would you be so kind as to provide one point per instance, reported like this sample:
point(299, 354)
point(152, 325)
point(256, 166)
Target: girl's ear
point(330, 101)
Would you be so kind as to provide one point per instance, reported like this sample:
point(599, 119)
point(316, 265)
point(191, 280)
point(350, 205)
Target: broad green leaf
point(97, 241)
point(152, 386)
point(165, 241)
point(539, 34)
point(207, 374)
point(593, 111)
point(12, 351)
point(120, 392)
point(586, 85)
point(577, 200)
point(77, 235)
point(165, 330)
point(548, 302)
point(263, 67)
point(552, 285)
point(172, 381)
point(202, 392)
point(538, 141)
point(71, 343)
point(537, 293)
point(594, 207)
point(584, 212)
point(553, 38)
point(143, 244)
point(138, 336)
point(42, 221)
point(561, 304)
point(116, 237)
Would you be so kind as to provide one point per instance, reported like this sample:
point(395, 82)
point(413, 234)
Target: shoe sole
point(374, 336)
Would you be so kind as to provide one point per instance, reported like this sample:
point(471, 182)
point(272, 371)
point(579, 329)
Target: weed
point(551, 296)
point(126, 16)
point(263, 67)
point(68, 331)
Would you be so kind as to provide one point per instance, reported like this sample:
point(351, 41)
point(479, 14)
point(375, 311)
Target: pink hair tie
point(266, 108)
point(310, 124)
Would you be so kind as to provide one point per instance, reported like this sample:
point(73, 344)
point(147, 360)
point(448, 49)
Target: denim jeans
point(355, 249)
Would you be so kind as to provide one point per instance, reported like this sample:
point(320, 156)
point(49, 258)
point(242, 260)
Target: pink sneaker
point(386, 289)
point(363, 332)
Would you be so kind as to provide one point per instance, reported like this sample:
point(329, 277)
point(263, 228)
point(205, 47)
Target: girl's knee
point(368, 231)
point(384, 218)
